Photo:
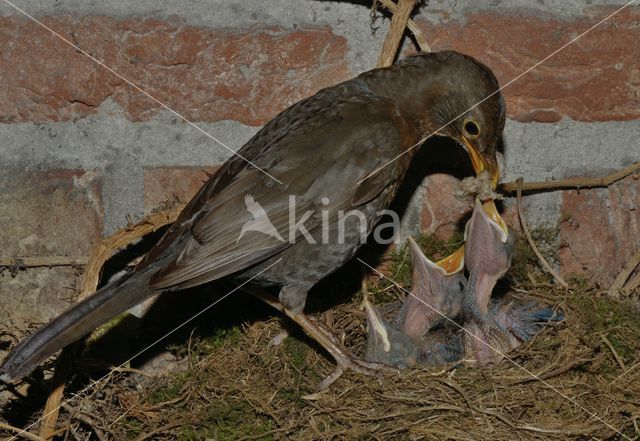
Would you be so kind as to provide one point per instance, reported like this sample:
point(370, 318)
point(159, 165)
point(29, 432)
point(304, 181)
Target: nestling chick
point(427, 333)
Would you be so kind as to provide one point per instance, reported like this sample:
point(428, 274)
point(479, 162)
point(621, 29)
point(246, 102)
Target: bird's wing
point(320, 148)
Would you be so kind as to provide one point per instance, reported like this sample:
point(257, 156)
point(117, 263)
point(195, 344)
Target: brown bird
point(345, 148)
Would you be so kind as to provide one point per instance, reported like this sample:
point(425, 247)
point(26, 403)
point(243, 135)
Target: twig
point(159, 430)
point(525, 229)
point(396, 31)
point(52, 407)
point(122, 238)
point(87, 420)
point(624, 275)
point(619, 360)
point(632, 368)
point(413, 27)
point(577, 182)
point(631, 285)
point(20, 432)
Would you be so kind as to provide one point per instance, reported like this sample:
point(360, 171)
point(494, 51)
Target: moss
point(201, 346)
point(171, 388)
point(297, 350)
point(525, 263)
point(619, 321)
point(228, 421)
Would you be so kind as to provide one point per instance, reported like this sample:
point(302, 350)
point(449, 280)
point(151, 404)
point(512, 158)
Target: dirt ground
point(224, 379)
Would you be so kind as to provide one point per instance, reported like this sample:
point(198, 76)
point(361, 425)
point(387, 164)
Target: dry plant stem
point(624, 275)
point(20, 432)
point(632, 285)
point(413, 27)
point(619, 360)
point(52, 407)
point(396, 31)
point(601, 181)
point(88, 421)
point(525, 229)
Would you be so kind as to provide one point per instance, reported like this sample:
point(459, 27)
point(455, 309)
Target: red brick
point(57, 212)
point(600, 229)
point(166, 186)
point(597, 78)
point(248, 75)
point(442, 212)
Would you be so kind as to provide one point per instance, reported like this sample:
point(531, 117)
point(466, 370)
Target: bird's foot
point(344, 359)
point(325, 337)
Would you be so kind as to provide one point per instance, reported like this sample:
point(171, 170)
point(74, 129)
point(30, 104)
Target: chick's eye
point(471, 128)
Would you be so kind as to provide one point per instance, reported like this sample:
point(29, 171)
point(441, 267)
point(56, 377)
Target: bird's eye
point(471, 128)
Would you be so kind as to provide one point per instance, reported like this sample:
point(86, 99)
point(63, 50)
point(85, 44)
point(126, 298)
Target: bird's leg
point(324, 337)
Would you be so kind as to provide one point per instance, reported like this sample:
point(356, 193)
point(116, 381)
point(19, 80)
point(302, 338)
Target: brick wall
point(81, 150)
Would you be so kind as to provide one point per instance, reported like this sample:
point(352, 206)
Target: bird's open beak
point(455, 262)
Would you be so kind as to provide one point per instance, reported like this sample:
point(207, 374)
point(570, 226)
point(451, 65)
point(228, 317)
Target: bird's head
point(385, 343)
point(449, 94)
point(465, 104)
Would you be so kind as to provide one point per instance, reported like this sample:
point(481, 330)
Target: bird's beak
point(482, 162)
point(378, 333)
point(455, 262)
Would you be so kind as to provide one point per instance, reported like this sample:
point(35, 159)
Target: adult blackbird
point(345, 148)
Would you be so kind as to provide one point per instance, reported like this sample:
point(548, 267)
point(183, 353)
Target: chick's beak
point(481, 162)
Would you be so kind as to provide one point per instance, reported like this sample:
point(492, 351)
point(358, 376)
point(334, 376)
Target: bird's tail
point(106, 303)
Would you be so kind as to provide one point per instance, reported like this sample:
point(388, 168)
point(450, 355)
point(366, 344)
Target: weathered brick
point(248, 75)
point(166, 186)
point(597, 78)
point(600, 229)
point(55, 212)
point(36, 295)
point(442, 212)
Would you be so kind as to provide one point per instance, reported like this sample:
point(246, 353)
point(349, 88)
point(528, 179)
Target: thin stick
point(624, 275)
point(578, 182)
point(109, 246)
point(396, 31)
point(525, 229)
point(52, 407)
point(20, 432)
point(633, 284)
point(619, 360)
point(413, 27)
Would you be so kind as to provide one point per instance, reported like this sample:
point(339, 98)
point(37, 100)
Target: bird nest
point(228, 380)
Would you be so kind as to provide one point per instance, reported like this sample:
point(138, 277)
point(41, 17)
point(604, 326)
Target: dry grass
point(233, 384)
